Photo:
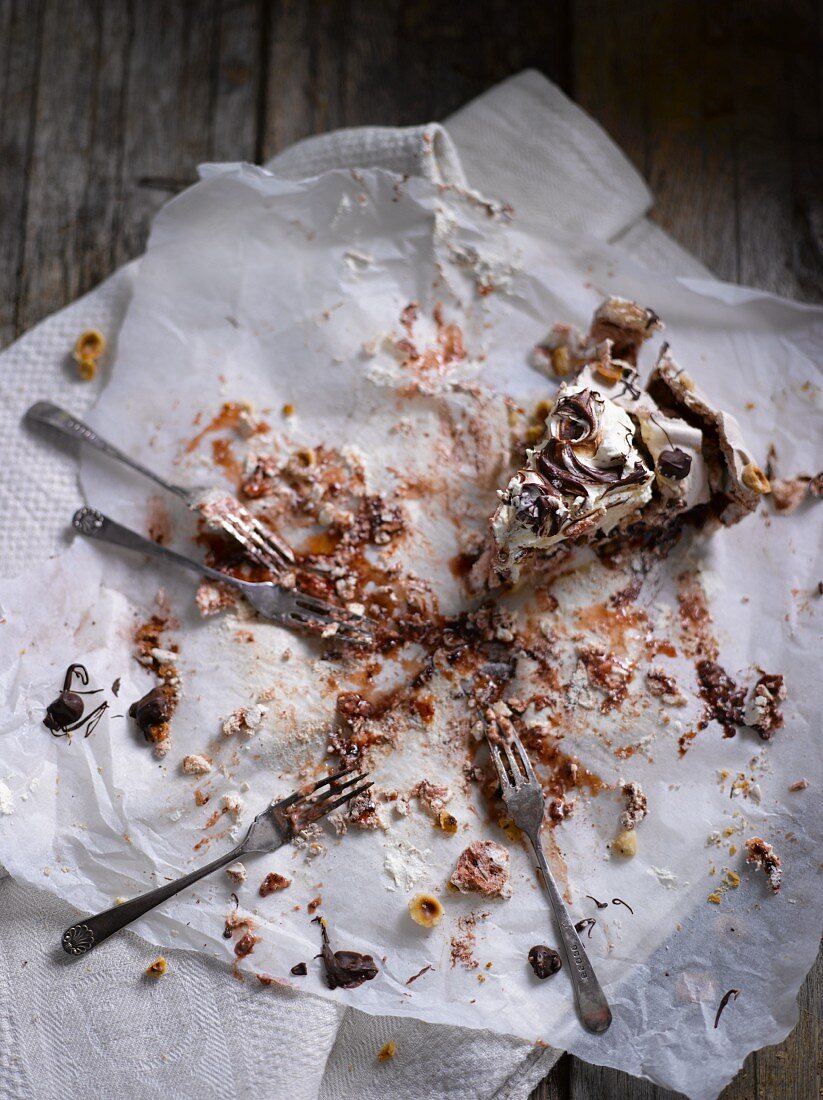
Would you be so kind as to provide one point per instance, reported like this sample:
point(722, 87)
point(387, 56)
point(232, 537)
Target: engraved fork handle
point(44, 412)
point(91, 931)
point(95, 525)
point(594, 1008)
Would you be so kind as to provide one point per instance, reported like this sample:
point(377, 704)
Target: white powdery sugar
point(405, 865)
point(664, 876)
point(6, 799)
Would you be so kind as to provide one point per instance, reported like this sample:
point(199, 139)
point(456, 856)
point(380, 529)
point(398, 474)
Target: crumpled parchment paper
point(275, 292)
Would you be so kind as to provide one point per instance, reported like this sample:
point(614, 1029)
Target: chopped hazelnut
point(426, 910)
point(625, 843)
point(89, 347)
point(447, 822)
point(754, 479)
point(387, 1051)
point(157, 969)
point(561, 361)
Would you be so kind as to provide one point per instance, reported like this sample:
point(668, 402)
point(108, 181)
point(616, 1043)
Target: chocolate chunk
point(345, 969)
point(299, 969)
point(66, 709)
point(674, 463)
point(544, 961)
point(153, 710)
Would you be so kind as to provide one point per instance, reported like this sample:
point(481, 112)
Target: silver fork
point(288, 607)
point(524, 801)
point(279, 823)
point(259, 542)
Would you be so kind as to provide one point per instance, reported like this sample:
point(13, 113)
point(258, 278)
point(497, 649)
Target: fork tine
point(524, 759)
point(284, 803)
point(347, 797)
point(502, 774)
point(326, 795)
point(270, 540)
point(336, 614)
point(258, 540)
point(517, 775)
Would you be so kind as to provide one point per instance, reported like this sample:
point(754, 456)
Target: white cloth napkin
point(104, 1030)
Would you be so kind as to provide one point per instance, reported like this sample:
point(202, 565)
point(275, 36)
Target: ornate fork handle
point(91, 931)
point(44, 412)
point(93, 524)
point(594, 1008)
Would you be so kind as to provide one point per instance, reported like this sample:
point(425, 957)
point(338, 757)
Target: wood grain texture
point(108, 106)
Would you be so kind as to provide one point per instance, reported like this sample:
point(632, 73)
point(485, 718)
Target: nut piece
point(754, 479)
point(544, 961)
point(426, 910)
point(387, 1051)
point(195, 765)
point(157, 969)
point(625, 844)
point(447, 822)
point(89, 347)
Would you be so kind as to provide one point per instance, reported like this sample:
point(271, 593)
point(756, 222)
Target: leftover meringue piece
point(195, 765)
point(615, 458)
point(762, 710)
point(637, 806)
point(483, 868)
point(585, 478)
point(236, 872)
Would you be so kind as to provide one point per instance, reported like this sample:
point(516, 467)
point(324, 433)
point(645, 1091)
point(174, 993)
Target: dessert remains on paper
point(617, 459)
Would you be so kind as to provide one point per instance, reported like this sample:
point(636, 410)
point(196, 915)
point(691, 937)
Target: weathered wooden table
point(107, 106)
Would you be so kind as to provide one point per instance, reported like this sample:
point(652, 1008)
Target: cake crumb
point(483, 867)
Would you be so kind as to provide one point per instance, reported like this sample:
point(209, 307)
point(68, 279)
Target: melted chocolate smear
point(723, 698)
point(544, 961)
point(619, 901)
point(586, 923)
point(344, 969)
point(577, 417)
point(419, 973)
point(534, 511)
point(599, 904)
point(732, 995)
point(674, 463)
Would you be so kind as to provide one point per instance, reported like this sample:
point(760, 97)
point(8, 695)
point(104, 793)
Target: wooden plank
point(170, 97)
point(20, 43)
point(608, 58)
point(779, 149)
point(792, 1069)
point(389, 63)
point(237, 83)
point(59, 164)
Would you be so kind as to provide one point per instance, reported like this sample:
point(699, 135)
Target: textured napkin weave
point(103, 1029)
